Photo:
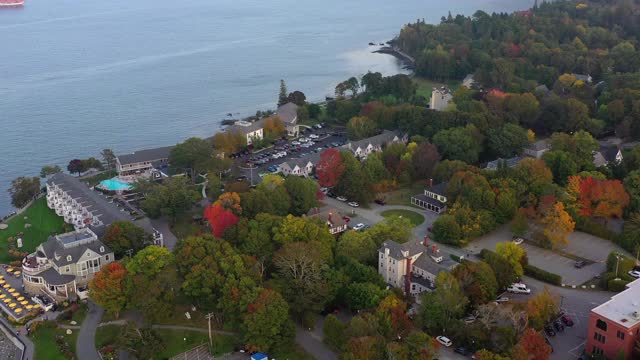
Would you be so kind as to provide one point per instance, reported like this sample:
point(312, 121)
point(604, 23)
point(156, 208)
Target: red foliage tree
point(329, 168)
point(219, 219)
point(533, 343)
point(606, 199)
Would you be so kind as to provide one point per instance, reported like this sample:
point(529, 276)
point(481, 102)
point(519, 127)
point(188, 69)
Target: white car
point(634, 273)
point(341, 198)
point(324, 190)
point(282, 153)
point(444, 341)
point(519, 288)
point(518, 240)
point(296, 143)
point(502, 299)
point(358, 227)
point(314, 136)
point(302, 140)
point(353, 204)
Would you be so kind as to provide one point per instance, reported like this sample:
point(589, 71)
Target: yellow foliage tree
point(557, 224)
point(541, 308)
point(230, 201)
point(274, 126)
point(531, 135)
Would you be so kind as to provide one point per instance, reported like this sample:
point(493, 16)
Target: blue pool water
point(114, 185)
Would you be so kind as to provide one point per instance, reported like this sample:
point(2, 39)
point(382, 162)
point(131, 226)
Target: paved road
point(162, 225)
point(86, 345)
point(311, 342)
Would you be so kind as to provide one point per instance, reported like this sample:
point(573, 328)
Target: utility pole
point(208, 317)
point(251, 174)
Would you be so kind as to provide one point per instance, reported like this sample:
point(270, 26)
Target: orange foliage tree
point(330, 167)
point(533, 343)
point(230, 201)
point(605, 199)
point(274, 126)
point(107, 288)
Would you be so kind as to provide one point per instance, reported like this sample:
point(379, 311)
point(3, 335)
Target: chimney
point(430, 182)
point(435, 249)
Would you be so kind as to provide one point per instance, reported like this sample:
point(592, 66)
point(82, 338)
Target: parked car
point(579, 264)
point(558, 326)
point(324, 190)
point(354, 204)
point(272, 169)
point(444, 341)
point(314, 136)
point(346, 219)
point(331, 195)
point(463, 351)
point(549, 330)
point(502, 299)
point(359, 227)
point(518, 240)
point(380, 202)
point(519, 288)
point(341, 198)
point(469, 319)
point(241, 178)
point(296, 143)
point(566, 319)
point(634, 273)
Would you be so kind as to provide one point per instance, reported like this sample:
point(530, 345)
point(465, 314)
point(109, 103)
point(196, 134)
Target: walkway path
point(162, 225)
point(86, 344)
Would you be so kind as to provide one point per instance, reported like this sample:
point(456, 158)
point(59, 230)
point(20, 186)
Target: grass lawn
point(415, 218)
point(295, 353)
point(107, 335)
point(44, 340)
point(44, 222)
point(403, 195)
point(425, 86)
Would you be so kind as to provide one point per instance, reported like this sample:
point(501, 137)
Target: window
point(620, 335)
point(597, 351)
point(599, 337)
point(601, 325)
point(68, 257)
point(107, 257)
point(68, 269)
point(101, 249)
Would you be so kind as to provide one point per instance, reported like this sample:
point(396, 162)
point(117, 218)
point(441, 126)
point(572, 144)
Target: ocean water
point(77, 76)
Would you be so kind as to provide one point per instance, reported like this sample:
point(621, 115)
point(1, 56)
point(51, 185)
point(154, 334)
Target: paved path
point(86, 345)
point(168, 237)
point(311, 342)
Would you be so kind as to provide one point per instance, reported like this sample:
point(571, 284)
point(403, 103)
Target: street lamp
point(617, 263)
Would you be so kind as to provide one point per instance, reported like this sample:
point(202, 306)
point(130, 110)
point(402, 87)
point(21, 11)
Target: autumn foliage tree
point(330, 167)
point(602, 198)
point(556, 223)
point(219, 219)
point(274, 126)
point(108, 288)
point(534, 345)
point(230, 201)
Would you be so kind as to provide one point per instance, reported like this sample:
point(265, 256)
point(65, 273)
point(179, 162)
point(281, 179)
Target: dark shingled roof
point(377, 140)
point(429, 200)
point(151, 155)
point(53, 278)
point(539, 145)
point(395, 250)
point(609, 153)
point(425, 263)
point(288, 113)
point(94, 201)
point(55, 250)
point(439, 189)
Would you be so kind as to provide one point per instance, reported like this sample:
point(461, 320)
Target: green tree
point(197, 155)
point(152, 283)
point(447, 230)
point(121, 236)
point(23, 190)
point(353, 183)
point(360, 296)
point(443, 305)
point(266, 323)
point(502, 268)
point(508, 140)
point(172, 198)
point(282, 96)
point(477, 280)
point(632, 186)
point(357, 245)
point(294, 229)
point(459, 143)
point(561, 165)
point(513, 254)
point(360, 127)
point(524, 108)
point(374, 168)
point(333, 330)
point(109, 158)
point(302, 193)
point(49, 170)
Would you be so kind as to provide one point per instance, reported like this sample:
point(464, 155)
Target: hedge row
point(616, 285)
point(543, 275)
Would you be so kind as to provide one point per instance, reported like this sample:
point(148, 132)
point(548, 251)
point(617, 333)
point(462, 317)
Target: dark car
point(462, 351)
point(549, 330)
point(558, 326)
point(331, 195)
point(380, 202)
point(579, 264)
point(566, 319)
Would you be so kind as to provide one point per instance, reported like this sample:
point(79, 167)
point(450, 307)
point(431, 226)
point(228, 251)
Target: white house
point(288, 113)
point(412, 266)
point(434, 198)
point(64, 264)
point(332, 218)
point(300, 167)
point(607, 155)
point(253, 131)
point(440, 99)
point(362, 148)
point(537, 149)
point(141, 164)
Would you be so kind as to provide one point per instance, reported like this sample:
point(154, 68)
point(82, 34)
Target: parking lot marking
point(577, 351)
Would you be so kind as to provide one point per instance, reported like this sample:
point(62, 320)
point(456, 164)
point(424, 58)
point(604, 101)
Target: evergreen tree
point(282, 97)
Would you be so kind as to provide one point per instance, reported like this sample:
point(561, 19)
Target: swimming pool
point(114, 185)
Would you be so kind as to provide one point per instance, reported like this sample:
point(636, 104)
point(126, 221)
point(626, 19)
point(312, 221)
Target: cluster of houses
point(254, 131)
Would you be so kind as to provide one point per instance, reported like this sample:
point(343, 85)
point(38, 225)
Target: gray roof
point(57, 252)
point(395, 250)
point(609, 153)
point(329, 215)
point(430, 200)
point(425, 263)
point(493, 165)
point(582, 77)
point(256, 125)
point(439, 189)
point(314, 158)
point(539, 145)
point(377, 140)
point(152, 155)
point(52, 277)
point(288, 113)
point(94, 201)
point(423, 281)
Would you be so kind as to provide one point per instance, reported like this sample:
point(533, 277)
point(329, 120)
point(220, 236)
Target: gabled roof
point(331, 216)
point(412, 247)
point(609, 153)
point(246, 127)
point(438, 189)
point(312, 158)
point(510, 163)
point(424, 262)
point(378, 140)
point(288, 113)
point(56, 251)
point(152, 155)
point(539, 145)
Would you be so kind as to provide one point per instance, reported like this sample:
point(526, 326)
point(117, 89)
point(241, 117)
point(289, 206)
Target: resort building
point(332, 218)
point(500, 162)
point(62, 266)
point(83, 207)
point(141, 164)
point(440, 99)
point(288, 113)
point(412, 266)
point(362, 148)
point(253, 131)
point(537, 149)
point(607, 155)
point(300, 167)
point(614, 327)
point(434, 198)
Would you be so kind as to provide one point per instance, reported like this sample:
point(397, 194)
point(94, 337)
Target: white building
point(300, 167)
point(362, 148)
point(83, 207)
point(537, 149)
point(253, 131)
point(332, 218)
point(434, 198)
point(607, 155)
point(440, 99)
point(412, 266)
point(141, 164)
point(288, 113)
point(62, 266)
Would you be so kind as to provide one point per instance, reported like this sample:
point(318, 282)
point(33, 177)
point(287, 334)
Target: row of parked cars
point(558, 324)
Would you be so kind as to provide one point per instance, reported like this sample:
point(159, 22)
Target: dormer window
point(101, 249)
point(68, 257)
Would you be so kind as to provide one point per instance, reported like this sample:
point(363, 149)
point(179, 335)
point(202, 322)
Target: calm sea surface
point(77, 76)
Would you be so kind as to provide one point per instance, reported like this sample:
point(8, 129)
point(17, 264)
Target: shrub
point(616, 285)
point(594, 228)
point(543, 275)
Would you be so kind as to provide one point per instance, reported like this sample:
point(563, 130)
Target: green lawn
point(107, 335)
point(415, 218)
point(403, 195)
point(46, 348)
point(425, 86)
point(44, 222)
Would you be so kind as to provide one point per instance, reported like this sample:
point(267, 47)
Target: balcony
point(33, 265)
